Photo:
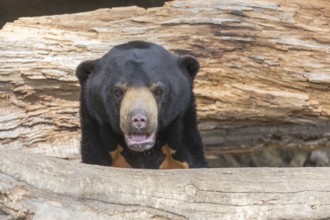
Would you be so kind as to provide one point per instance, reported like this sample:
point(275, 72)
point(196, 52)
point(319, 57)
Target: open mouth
point(140, 142)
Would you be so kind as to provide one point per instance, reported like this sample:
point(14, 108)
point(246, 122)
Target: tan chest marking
point(169, 162)
point(117, 159)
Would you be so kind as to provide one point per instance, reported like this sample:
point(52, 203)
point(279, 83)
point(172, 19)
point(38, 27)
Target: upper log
point(39, 187)
point(264, 79)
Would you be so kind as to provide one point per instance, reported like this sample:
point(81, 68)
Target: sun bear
point(137, 109)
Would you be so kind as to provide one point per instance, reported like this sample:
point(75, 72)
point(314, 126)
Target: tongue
point(138, 137)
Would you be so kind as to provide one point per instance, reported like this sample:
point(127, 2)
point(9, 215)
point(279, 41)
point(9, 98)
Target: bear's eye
point(158, 92)
point(118, 93)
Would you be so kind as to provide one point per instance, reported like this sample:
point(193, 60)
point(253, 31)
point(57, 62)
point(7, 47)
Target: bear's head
point(137, 88)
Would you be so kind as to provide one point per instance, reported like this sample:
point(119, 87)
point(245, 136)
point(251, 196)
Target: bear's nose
point(139, 120)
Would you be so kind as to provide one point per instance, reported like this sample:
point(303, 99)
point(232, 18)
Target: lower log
point(40, 187)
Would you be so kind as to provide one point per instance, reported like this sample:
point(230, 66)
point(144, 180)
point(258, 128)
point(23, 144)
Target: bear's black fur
point(133, 137)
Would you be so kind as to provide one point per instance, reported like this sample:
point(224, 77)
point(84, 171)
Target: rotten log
point(264, 79)
point(39, 187)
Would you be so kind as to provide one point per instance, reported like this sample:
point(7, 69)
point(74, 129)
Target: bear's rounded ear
point(191, 64)
point(84, 69)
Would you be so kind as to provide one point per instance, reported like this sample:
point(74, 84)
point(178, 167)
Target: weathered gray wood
point(264, 79)
point(40, 187)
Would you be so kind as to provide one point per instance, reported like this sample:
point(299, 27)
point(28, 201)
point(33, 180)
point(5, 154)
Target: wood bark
point(40, 187)
point(264, 79)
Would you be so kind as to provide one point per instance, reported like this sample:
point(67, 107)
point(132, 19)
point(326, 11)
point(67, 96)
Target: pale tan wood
point(264, 79)
point(39, 187)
